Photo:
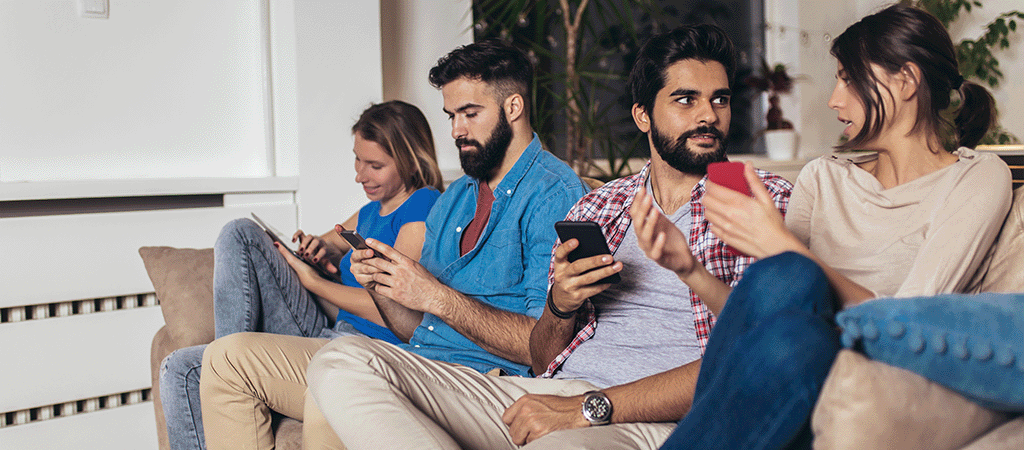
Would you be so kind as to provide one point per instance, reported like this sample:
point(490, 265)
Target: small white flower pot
point(780, 144)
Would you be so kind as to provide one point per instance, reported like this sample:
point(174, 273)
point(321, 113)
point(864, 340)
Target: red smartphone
point(730, 175)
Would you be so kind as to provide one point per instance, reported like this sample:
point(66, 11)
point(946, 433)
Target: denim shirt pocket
point(499, 264)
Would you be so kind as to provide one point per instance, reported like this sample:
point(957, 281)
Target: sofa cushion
point(974, 346)
point(1009, 436)
point(183, 281)
point(866, 404)
point(1001, 269)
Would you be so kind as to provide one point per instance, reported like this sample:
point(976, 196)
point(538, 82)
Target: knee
point(224, 352)
point(331, 363)
point(795, 345)
point(238, 230)
point(786, 281)
point(181, 363)
point(788, 266)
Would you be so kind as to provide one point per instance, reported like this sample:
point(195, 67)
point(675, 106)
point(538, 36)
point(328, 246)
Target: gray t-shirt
point(644, 323)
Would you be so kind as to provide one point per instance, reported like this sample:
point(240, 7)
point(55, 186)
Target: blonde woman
point(259, 286)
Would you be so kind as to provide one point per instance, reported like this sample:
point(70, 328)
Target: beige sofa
point(864, 405)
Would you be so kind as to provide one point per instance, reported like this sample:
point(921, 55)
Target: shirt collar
point(510, 182)
point(696, 194)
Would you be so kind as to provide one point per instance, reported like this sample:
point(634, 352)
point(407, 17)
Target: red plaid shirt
point(608, 205)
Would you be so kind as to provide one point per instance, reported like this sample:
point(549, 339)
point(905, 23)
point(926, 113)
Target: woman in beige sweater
point(913, 215)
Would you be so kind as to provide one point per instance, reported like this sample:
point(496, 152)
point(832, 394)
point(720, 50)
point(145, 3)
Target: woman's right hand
point(313, 249)
point(752, 225)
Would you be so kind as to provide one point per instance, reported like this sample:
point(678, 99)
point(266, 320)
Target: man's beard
point(485, 160)
point(682, 158)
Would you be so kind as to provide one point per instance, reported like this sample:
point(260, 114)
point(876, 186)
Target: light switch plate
point(96, 9)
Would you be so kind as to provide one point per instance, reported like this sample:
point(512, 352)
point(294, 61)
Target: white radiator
point(77, 312)
point(20, 323)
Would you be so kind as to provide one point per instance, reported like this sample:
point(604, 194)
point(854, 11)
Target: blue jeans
point(765, 362)
point(254, 289)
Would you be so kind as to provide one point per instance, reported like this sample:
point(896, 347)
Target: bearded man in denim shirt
point(481, 279)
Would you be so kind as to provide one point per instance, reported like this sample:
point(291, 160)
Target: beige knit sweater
point(924, 237)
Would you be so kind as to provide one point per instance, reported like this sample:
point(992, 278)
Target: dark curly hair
point(703, 42)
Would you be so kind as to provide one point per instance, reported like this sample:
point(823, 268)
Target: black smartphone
point(276, 237)
point(591, 241)
point(356, 241)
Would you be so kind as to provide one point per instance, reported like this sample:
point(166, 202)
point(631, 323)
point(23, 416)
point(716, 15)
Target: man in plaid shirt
point(654, 324)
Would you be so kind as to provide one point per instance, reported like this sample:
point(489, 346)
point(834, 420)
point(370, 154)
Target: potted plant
point(779, 134)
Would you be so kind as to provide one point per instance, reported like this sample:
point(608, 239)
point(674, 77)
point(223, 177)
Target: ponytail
point(976, 115)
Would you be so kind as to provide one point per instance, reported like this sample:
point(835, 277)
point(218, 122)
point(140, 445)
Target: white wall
point(180, 90)
point(338, 74)
point(171, 90)
point(160, 89)
point(415, 34)
point(799, 35)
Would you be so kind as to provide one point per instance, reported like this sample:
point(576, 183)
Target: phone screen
point(356, 241)
point(730, 175)
point(592, 242)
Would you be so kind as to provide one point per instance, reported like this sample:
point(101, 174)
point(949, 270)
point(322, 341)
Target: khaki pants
point(378, 396)
point(245, 376)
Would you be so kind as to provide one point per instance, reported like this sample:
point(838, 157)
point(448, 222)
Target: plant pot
point(780, 144)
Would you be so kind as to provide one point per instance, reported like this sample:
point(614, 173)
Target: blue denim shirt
point(508, 267)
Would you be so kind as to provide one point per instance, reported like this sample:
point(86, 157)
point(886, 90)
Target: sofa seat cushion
point(867, 404)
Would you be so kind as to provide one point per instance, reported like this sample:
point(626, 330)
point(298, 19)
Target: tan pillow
point(1000, 271)
point(183, 280)
point(866, 404)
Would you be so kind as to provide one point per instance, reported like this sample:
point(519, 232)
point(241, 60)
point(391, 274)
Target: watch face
point(597, 409)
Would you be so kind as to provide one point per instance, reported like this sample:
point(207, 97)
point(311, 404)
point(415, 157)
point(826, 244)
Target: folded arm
point(663, 397)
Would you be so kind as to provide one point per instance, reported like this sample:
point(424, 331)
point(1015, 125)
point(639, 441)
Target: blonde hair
point(403, 132)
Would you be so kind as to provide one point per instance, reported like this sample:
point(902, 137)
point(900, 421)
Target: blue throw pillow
point(972, 344)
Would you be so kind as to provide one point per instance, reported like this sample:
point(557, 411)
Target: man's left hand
point(535, 415)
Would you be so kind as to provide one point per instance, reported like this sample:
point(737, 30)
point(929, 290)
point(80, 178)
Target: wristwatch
point(597, 408)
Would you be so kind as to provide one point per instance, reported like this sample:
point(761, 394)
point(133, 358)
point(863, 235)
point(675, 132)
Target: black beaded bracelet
point(557, 312)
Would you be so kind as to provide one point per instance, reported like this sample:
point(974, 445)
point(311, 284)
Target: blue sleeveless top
point(385, 229)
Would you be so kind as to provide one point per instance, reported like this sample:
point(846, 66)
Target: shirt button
point(509, 192)
point(458, 229)
point(431, 328)
point(417, 345)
